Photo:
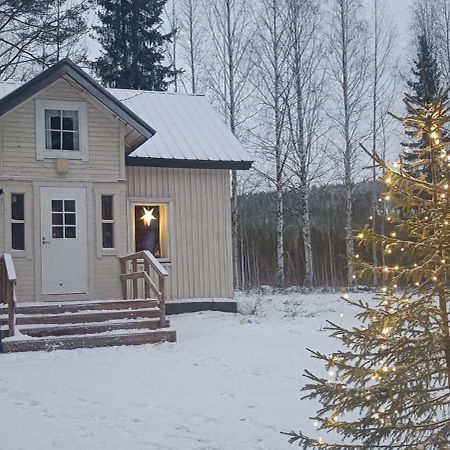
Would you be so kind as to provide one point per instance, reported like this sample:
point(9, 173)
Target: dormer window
point(61, 130)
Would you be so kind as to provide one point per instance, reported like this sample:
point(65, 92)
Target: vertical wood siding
point(199, 223)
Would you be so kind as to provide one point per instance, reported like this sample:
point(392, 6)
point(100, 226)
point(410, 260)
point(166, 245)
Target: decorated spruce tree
point(390, 383)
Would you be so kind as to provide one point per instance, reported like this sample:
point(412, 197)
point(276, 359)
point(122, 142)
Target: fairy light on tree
point(391, 379)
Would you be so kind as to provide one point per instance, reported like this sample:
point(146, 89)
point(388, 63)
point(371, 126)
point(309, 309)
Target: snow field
point(231, 382)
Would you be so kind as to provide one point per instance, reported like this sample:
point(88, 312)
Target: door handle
point(44, 240)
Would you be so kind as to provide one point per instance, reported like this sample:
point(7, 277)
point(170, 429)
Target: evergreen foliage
point(425, 87)
point(389, 386)
point(133, 45)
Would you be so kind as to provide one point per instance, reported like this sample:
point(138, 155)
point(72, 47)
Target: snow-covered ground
point(231, 382)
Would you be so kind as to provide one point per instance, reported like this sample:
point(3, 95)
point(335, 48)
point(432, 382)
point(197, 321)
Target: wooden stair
point(70, 325)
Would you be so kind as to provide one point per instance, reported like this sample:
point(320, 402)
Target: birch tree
point(348, 66)
point(305, 113)
point(192, 32)
point(382, 88)
point(172, 19)
point(227, 78)
point(272, 85)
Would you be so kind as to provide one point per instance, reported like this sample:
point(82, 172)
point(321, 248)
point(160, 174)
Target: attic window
point(61, 129)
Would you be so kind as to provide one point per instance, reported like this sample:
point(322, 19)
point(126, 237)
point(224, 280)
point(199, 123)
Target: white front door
point(64, 241)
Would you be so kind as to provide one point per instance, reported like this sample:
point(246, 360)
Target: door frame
point(90, 217)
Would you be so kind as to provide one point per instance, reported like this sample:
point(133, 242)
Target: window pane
point(68, 141)
point(147, 235)
point(17, 206)
point(57, 205)
point(55, 143)
point(69, 205)
point(57, 232)
point(52, 119)
point(70, 120)
point(18, 236)
point(108, 235)
point(70, 232)
point(107, 207)
point(57, 219)
point(69, 219)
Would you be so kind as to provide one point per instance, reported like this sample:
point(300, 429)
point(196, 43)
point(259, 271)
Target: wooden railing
point(137, 267)
point(8, 281)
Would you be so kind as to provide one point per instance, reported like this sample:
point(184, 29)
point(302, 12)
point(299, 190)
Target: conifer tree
point(133, 45)
point(389, 385)
point(425, 87)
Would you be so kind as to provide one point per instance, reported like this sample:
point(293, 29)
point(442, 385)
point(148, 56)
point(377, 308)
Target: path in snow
point(231, 382)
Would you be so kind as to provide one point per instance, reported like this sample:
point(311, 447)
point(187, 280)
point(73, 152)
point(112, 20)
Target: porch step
point(107, 339)
point(41, 330)
point(67, 325)
point(77, 306)
point(83, 316)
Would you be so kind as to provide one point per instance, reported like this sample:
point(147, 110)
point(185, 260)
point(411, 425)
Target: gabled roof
point(190, 133)
point(66, 67)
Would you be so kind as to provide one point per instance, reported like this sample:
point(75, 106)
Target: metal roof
point(187, 129)
point(189, 132)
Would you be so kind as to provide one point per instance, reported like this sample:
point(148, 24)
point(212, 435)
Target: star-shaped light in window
point(148, 216)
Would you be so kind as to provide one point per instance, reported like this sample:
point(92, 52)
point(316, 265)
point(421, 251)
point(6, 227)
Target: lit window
point(107, 221)
point(150, 229)
point(17, 222)
point(61, 130)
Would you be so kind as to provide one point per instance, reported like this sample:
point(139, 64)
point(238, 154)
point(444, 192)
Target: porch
point(138, 318)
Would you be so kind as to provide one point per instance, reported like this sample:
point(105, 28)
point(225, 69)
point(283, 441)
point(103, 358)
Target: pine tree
point(133, 45)
point(425, 87)
point(390, 383)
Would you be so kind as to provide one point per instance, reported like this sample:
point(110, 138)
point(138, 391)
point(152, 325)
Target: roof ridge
point(144, 91)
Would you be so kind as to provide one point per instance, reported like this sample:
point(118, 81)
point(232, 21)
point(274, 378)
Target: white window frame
point(166, 232)
point(45, 153)
point(111, 221)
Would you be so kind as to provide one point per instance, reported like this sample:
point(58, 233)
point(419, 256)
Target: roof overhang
point(66, 68)
point(187, 163)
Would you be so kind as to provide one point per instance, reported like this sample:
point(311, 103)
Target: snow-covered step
point(42, 330)
point(83, 316)
point(23, 343)
point(82, 305)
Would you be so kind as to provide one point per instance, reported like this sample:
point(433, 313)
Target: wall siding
point(199, 223)
point(19, 141)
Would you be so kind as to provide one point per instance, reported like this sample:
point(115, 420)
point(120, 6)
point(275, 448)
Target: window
point(61, 130)
point(64, 219)
point(150, 229)
point(18, 221)
point(107, 221)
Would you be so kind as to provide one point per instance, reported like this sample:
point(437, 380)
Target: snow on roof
point(187, 127)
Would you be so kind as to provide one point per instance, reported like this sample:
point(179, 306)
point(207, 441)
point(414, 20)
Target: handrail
point(135, 275)
point(8, 281)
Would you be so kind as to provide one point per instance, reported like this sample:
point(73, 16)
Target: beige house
point(90, 175)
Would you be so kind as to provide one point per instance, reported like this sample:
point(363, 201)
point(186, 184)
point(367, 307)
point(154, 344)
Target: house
point(109, 196)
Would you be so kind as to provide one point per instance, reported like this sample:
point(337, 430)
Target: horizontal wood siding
point(199, 223)
point(19, 141)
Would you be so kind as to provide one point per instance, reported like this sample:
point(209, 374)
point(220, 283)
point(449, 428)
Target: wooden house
point(112, 201)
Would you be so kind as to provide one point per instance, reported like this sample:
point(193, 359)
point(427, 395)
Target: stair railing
point(136, 267)
point(8, 281)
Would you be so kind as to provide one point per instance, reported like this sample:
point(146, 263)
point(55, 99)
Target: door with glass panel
point(64, 241)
